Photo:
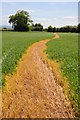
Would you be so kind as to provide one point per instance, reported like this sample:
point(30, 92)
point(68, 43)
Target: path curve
point(32, 92)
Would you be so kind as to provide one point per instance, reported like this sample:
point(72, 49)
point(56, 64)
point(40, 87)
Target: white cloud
point(44, 21)
point(57, 22)
point(70, 17)
point(70, 20)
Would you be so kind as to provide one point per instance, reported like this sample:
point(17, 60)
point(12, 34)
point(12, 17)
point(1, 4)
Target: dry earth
point(32, 92)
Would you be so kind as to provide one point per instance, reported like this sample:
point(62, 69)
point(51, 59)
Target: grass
point(14, 44)
point(65, 51)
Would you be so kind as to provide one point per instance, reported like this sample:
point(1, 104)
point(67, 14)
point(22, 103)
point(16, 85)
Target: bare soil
point(32, 92)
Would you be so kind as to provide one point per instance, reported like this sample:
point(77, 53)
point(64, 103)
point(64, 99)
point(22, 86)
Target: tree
point(32, 27)
point(54, 29)
point(20, 21)
point(50, 29)
point(37, 27)
point(45, 29)
point(66, 29)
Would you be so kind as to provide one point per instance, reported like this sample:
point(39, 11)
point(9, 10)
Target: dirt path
point(33, 92)
point(56, 36)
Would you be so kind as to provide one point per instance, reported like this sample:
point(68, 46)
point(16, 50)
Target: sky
point(56, 14)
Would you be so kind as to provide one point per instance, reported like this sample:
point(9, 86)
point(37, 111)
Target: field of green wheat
point(65, 51)
point(14, 44)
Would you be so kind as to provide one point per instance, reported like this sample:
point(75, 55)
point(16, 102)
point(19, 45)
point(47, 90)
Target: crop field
point(14, 45)
point(65, 51)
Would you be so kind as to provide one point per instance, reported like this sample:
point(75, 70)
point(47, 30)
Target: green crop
point(14, 44)
point(65, 50)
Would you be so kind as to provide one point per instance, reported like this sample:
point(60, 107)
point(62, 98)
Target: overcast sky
point(47, 13)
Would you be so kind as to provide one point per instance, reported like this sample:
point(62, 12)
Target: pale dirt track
point(33, 92)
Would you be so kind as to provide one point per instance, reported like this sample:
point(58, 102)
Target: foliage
point(20, 21)
point(45, 29)
point(54, 29)
point(63, 29)
point(79, 28)
point(37, 27)
point(50, 29)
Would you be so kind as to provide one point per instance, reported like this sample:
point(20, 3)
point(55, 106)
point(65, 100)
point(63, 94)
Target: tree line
point(21, 22)
point(64, 29)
